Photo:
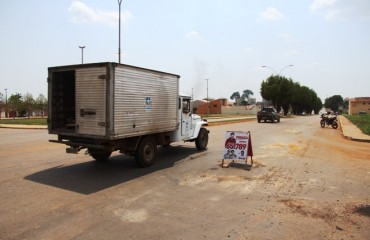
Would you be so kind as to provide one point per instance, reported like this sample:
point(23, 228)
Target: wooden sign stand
point(233, 144)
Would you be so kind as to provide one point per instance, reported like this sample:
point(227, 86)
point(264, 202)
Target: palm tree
point(236, 96)
point(246, 94)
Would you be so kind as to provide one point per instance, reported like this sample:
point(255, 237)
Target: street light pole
point(119, 31)
point(270, 68)
point(291, 65)
point(207, 98)
point(82, 54)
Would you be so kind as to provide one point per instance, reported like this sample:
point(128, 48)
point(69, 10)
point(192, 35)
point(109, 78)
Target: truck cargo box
point(111, 101)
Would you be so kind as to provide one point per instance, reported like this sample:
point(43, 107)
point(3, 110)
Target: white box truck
point(106, 107)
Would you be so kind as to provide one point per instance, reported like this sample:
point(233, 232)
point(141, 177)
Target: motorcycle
point(329, 119)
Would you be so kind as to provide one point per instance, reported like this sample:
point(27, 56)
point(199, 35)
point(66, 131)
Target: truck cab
point(189, 123)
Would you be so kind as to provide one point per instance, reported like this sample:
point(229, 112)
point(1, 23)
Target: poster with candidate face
point(236, 145)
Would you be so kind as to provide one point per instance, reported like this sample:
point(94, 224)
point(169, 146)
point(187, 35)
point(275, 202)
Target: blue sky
point(225, 41)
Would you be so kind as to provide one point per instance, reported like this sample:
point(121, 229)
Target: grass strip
point(361, 121)
point(25, 121)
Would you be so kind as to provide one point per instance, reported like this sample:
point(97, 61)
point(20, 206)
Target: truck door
point(91, 101)
point(186, 119)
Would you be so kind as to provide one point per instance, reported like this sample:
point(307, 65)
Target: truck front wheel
point(202, 140)
point(145, 154)
point(99, 155)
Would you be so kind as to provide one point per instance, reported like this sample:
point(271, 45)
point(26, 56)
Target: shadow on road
point(90, 177)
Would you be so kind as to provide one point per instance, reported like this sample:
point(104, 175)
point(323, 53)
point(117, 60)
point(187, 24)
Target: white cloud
point(271, 14)
point(319, 4)
point(286, 37)
point(192, 34)
point(247, 50)
point(291, 53)
point(341, 9)
point(81, 13)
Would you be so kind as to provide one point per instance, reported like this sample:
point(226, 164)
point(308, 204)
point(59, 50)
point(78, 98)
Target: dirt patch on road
point(328, 140)
point(309, 209)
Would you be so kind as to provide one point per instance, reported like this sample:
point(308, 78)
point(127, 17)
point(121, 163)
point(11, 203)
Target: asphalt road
point(306, 182)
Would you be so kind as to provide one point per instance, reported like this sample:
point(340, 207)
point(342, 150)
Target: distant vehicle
point(268, 113)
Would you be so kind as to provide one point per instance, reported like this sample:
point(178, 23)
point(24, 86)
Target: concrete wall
point(221, 106)
point(239, 109)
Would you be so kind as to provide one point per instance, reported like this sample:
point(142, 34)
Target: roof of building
point(360, 99)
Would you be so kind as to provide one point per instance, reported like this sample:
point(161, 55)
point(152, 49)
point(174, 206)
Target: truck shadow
point(91, 177)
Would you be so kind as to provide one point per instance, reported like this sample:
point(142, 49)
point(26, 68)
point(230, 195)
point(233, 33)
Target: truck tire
point(145, 154)
point(99, 155)
point(202, 140)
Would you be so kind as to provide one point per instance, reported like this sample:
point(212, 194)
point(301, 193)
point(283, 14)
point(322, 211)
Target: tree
point(29, 104)
point(246, 94)
point(41, 104)
point(305, 100)
point(318, 105)
point(287, 94)
point(236, 96)
point(346, 105)
point(277, 89)
point(15, 103)
point(334, 102)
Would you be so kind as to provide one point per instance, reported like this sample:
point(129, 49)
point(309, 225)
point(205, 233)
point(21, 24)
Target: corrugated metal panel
point(145, 101)
point(91, 101)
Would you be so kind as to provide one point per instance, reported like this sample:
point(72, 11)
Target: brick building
point(359, 105)
point(214, 106)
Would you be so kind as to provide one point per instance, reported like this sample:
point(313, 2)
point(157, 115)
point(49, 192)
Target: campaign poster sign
point(236, 145)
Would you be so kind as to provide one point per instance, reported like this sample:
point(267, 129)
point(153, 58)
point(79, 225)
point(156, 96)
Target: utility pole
point(82, 54)
point(119, 31)
point(207, 98)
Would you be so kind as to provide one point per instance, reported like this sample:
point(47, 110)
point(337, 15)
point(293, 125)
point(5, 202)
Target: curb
point(31, 127)
point(351, 137)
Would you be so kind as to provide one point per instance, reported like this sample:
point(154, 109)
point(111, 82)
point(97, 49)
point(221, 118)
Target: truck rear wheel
point(99, 155)
point(202, 140)
point(145, 154)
